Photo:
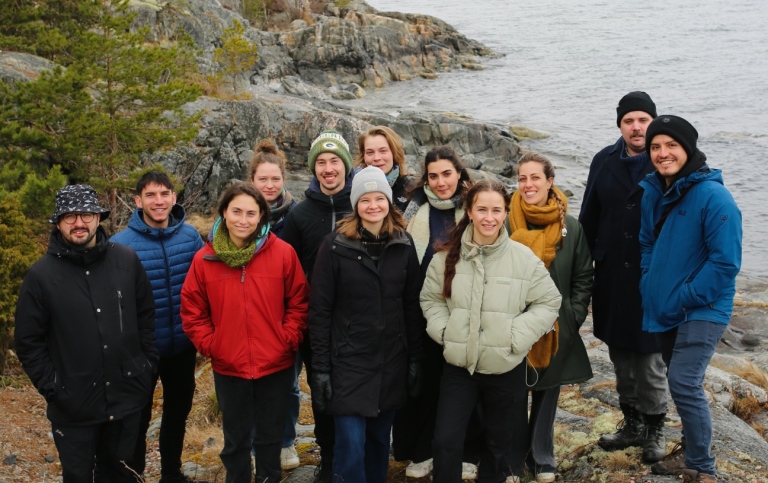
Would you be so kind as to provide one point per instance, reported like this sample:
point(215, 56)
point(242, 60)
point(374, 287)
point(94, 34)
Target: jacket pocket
point(137, 375)
point(79, 395)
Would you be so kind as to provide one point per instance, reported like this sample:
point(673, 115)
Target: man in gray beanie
point(610, 215)
point(85, 336)
point(690, 241)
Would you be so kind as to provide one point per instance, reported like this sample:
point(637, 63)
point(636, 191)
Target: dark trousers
point(541, 431)
point(505, 421)
point(178, 376)
point(362, 448)
point(325, 431)
point(97, 452)
point(247, 404)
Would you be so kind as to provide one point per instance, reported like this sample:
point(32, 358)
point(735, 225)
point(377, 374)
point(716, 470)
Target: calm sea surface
point(565, 64)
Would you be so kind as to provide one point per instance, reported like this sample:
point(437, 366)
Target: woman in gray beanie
point(365, 328)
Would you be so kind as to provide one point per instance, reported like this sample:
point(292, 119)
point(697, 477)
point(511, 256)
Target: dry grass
point(745, 303)
point(746, 407)
point(572, 401)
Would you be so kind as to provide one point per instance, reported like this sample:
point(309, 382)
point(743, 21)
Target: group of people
point(425, 310)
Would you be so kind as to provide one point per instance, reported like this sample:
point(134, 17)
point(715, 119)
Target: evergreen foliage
point(117, 101)
point(112, 101)
point(236, 54)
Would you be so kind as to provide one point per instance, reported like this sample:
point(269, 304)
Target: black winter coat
point(400, 192)
point(85, 331)
point(610, 215)
point(365, 322)
point(312, 219)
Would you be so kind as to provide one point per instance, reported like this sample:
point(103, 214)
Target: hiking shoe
point(323, 474)
point(698, 477)
point(289, 458)
point(654, 442)
point(545, 477)
point(419, 470)
point(630, 431)
point(671, 464)
point(468, 471)
point(512, 479)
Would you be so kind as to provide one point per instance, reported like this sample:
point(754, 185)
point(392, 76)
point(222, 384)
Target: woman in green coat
point(538, 219)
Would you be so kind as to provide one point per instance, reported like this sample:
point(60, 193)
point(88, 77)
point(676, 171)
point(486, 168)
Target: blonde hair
point(395, 145)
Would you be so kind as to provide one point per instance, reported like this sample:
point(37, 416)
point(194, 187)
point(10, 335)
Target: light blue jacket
point(689, 270)
point(166, 254)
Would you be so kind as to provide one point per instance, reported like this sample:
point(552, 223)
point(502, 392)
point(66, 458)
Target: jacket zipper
point(242, 275)
point(333, 214)
point(120, 309)
point(168, 288)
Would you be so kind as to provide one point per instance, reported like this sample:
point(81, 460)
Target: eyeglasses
point(70, 218)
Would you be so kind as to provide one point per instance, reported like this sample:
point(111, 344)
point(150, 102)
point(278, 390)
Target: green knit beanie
point(330, 142)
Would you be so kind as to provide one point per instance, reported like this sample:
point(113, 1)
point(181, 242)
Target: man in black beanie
point(690, 242)
point(610, 215)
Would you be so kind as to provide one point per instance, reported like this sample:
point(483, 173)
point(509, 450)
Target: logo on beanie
point(666, 119)
point(330, 145)
point(370, 186)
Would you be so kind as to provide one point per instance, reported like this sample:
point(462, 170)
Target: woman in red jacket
point(244, 305)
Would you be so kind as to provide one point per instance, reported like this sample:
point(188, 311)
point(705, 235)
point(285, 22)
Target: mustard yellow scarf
point(542, 242)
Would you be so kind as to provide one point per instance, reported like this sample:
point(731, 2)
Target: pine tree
point(236, 54)
point(118, 101)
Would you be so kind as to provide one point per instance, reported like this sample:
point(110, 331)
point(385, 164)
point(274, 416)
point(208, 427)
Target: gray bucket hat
point(77, 198)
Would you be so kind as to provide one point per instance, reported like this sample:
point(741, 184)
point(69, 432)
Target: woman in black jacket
point(365, 328)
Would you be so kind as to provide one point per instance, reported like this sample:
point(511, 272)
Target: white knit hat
point(369, 180)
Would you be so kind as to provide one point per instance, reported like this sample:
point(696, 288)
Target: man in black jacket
point(85, 337)
point(610, 215)
point(327, 201)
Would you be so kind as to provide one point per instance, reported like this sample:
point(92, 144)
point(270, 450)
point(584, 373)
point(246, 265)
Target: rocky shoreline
point(341, 53)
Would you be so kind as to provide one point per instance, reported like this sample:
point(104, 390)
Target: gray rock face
point(342, 46)
point(229, 130)
point(19, 67)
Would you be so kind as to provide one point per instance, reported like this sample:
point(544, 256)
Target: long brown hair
point(453, 244)
point(549, 172)
point(395, 145)
point(449, 154)
point(244, 188)
point(349, 226)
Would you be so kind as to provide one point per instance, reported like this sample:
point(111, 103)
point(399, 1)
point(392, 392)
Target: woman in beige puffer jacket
point(486, 299)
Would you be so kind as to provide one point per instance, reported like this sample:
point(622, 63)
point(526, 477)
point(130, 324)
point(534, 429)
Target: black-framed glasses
point(70, 218)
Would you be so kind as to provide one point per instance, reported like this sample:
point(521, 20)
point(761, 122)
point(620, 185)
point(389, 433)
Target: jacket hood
point(175, 221)
point(316, 194)
point(702, 173)
point(57, 247)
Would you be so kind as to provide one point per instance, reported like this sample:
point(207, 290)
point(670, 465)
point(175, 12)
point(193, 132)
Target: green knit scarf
point(228, 252)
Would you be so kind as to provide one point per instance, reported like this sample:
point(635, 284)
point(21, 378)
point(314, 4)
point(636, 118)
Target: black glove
point(414, 379)
point(320, 384)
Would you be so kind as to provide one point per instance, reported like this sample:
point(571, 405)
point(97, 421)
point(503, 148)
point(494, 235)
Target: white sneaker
point(545, 478)
point(468, 471)
point(289, 458)
point(512, 479)
point(419, 470)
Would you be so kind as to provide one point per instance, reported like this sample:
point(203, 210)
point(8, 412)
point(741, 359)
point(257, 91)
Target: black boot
point(630, 431)
point(654, 443)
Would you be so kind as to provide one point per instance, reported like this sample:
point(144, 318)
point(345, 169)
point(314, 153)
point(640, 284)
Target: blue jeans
point(362, 448)
point(687, 350)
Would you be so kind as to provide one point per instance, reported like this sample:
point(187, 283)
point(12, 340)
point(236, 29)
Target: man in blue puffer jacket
point(690, 239)
point(165, 245)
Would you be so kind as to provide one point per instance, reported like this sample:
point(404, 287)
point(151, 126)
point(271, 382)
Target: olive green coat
point(572, 273)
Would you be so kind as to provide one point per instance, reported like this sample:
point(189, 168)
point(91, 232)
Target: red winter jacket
point(248, 320)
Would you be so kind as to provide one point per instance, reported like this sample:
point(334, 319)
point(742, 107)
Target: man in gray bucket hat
point(85, 337)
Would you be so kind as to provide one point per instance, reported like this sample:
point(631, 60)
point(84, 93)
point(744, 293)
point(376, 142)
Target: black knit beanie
point(675, 127)
point(635, 101)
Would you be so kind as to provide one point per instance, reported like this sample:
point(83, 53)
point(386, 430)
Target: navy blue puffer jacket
point(166, 254)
